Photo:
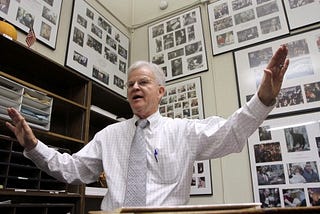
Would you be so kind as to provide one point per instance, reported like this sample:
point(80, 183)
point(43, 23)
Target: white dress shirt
point(177, 143)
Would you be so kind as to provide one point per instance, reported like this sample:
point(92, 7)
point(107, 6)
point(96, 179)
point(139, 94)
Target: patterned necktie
point(137, 169)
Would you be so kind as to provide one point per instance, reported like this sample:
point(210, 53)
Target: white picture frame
point(300, 89)
point(239, 23)
point(184, 100)
point(281, 150)
point(97, 49)
point(42, 16)
point(295, 10)
point(177, 45)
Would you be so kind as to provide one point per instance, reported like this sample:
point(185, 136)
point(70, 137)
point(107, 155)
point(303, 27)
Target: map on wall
point(97, 48)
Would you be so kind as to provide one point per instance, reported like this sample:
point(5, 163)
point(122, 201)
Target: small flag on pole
point(31, 37)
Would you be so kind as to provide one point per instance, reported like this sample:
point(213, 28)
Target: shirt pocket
point(168, 168)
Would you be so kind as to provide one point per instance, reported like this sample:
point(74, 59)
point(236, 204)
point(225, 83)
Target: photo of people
point(294, 197)
point(264, 133)
point(267, 152)
point(269, 197)
point(314, 196)
point(297, 139)
point(270, 174)
point(4, 6)
point(45, 31)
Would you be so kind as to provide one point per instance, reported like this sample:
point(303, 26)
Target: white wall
point(230, 175)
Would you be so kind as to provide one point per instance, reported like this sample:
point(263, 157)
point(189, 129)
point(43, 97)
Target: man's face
point(144, 93)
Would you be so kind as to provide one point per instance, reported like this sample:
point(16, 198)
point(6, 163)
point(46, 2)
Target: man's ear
point(162, 90)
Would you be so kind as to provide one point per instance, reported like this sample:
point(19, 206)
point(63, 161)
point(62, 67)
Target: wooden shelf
point(72, 125)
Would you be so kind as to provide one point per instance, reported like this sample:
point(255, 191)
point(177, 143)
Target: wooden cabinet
point(72, 124)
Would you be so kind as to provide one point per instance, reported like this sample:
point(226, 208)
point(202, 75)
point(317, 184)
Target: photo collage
point(184, 100)
point(97, 49)
point(301, 88)
point(235, 24)
point(285, 160)
point(177, 45)
point(41, 16)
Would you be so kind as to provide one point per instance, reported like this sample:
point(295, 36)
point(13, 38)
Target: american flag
point(31, 37)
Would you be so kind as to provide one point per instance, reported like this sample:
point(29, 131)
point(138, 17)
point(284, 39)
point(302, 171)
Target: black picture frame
point(282, 151)
point(42, 16)
point(183, 99)
point(236, 24)
point(295, 10)
point(177, 45)
point(301, 86)
point(97, 49)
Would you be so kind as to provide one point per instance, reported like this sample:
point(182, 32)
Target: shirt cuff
point(258, 108)
point(39, 152)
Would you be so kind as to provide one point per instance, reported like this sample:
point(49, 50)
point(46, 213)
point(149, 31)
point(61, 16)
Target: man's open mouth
point(137, 97)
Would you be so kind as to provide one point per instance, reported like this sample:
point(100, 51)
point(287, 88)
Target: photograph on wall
point(285, 161)
point(301, 86)
point(177, 45)
point(41, 16)
point(184, 100)
point(239, 23)
point(97, 49)
point(296, 12)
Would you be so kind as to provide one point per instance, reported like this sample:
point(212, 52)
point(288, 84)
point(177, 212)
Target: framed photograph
point(301, 86)
point(238, 23)
point(42, 16)
point(184, 100)
point(302, 13)
point(285, 161)
point(97, 49)
point(177, 45)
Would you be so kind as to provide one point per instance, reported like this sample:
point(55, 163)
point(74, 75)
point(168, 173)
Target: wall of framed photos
point(284, 151)
point(221, 93)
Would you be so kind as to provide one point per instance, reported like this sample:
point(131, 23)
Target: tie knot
point(142, 123)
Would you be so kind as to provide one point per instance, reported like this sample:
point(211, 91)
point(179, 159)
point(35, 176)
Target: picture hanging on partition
point(184, 100)
point(235, 24)
point(302, 13)
point(177, 45)
point(284, 158)
point(301, 86)
point(41, 16)
point(97, 49)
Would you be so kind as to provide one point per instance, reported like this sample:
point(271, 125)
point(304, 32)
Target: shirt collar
point(153, 119)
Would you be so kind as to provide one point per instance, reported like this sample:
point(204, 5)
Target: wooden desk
point(249, 208)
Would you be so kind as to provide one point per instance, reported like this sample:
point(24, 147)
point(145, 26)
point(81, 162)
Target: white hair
point(156, 70)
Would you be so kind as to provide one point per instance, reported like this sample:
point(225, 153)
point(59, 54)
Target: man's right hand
point(21, 129)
